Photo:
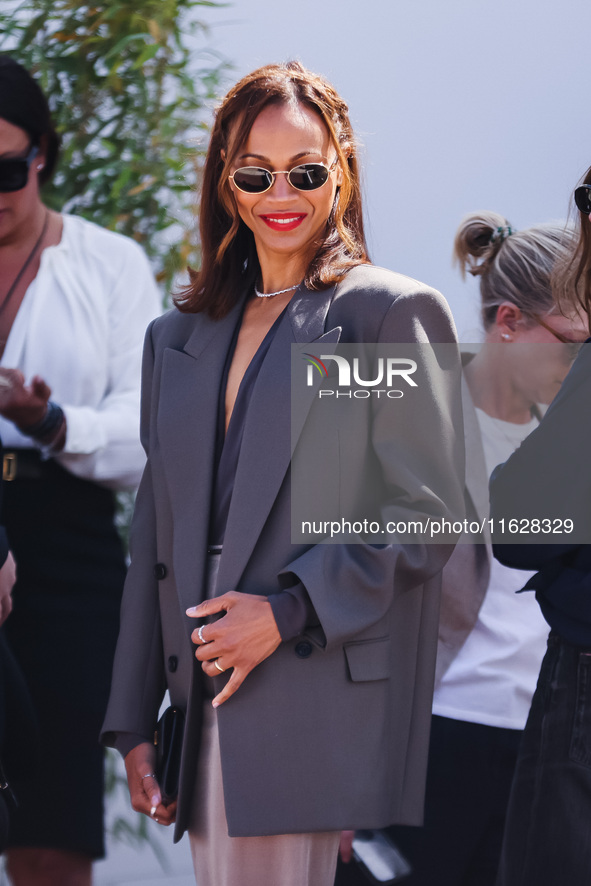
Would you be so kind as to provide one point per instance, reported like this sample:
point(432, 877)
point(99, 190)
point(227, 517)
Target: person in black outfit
point(547, 840)
point(7, 569)
point(13, 694)
point(74, 303)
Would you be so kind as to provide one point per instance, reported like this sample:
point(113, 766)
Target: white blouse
point(81, 327)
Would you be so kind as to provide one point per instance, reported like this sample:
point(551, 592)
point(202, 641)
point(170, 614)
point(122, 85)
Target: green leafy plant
point(128, 82)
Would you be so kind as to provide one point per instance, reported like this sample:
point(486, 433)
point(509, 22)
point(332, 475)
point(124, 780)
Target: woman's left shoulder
point(370, 294)
point(372, 281)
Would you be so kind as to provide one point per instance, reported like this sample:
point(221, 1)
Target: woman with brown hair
point(572, 280)
point(307, 701)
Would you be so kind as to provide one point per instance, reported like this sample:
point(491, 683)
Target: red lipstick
point(283, 221)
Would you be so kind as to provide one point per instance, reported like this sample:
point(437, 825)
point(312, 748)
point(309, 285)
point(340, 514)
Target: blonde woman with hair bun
point(491, 640)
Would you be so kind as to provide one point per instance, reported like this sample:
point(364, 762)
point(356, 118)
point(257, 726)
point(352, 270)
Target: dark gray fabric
point(306, 745)
point(467, 572)
point(549, 475)
point(228, 444)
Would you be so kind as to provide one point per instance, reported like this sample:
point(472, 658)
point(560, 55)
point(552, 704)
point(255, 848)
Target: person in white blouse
point(75, 300)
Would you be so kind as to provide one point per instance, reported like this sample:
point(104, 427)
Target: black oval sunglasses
point(583, 199)
point(305, 177)
point(14, 171)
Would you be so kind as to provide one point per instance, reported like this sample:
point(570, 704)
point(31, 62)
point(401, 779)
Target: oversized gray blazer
point(466, 574)
point(331, 731)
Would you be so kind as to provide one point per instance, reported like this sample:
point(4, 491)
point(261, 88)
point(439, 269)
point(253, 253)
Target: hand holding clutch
point(144, 789)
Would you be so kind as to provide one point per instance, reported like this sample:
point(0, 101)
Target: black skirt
point(63, 631)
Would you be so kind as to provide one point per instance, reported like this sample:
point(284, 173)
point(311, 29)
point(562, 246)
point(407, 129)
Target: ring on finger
point(200, 635)
point(149, 775)
point(218, 666)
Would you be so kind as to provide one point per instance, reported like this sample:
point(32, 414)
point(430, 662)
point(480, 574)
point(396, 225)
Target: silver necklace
point(273, 294)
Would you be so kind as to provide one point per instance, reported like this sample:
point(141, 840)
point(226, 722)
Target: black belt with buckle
point(21, 464)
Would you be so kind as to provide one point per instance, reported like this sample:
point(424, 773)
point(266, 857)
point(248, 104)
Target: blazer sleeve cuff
point(293, 611)
point(124, 742)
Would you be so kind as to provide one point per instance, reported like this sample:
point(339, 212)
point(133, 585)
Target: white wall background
point(460, 105)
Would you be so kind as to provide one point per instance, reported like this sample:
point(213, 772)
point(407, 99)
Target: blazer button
point(303, 649)
point(160, 571)
point(173, 663)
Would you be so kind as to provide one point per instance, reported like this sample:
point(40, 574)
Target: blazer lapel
point(266, 446)
point(187, 427)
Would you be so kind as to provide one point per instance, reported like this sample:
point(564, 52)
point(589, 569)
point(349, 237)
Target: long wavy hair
point(229, 262)
point(571, 280)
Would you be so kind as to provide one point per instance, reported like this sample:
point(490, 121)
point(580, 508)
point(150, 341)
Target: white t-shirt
point(493, 676)
point(81, 327)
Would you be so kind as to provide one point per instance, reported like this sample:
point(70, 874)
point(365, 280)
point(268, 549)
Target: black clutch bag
point(169, 744)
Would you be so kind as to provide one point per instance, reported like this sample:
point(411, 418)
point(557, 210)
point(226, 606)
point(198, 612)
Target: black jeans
point(548, 831)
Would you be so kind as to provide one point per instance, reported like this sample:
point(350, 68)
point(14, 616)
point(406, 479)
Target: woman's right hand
point(140, 764)
point(241, 640)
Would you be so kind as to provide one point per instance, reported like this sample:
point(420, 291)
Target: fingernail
point(153, 810)
point(155, 800)
point(191, 610)
point(215, 704)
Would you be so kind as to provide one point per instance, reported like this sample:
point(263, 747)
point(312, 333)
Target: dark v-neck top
point(229, 443)
point(291, 607)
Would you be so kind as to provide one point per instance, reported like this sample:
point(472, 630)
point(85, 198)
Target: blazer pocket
point(368, 659)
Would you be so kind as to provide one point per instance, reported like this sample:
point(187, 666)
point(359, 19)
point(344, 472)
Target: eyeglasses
point(306, 177)
point(562, 338)
point(574, 346)
point(14, 172)
point(583, 199)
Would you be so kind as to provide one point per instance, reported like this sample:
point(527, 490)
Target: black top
point(291, 607)
point(549, 475)
point(228, 442)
